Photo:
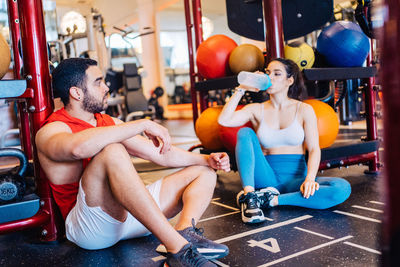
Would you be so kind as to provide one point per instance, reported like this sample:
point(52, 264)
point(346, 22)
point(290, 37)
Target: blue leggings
point(286, 173)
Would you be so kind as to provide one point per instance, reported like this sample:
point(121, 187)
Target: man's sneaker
point(250, 207)
point(206, 247)
point(265, 195)
point(187, 257)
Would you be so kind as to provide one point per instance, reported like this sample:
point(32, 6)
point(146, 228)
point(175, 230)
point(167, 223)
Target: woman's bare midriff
point(283, 150)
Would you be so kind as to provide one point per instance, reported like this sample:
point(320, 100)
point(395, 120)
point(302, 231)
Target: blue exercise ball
point(343, 44)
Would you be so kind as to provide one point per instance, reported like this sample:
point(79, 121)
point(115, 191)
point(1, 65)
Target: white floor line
point(362, 247)
point(305, 251)
point(219, 216)
point(223, 205)
point(314, 233)
point(366, 208)
point(261, 229)
point(158, 258)
point(358, 216)
point(219, 263)
point(217, 198)
point(377, 202)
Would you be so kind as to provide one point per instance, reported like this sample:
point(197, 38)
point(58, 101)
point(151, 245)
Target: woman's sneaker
point(206, 247)
point(250, 207)
point(187, 257)
point(265, 196)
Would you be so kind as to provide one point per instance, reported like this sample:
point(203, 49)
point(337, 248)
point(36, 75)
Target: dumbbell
point(12, 185)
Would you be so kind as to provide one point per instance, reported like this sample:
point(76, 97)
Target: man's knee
point(113, 151)
point(206, 171)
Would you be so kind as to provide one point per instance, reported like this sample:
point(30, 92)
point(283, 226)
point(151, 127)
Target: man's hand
point(219, 161)
point(158, 135)
point(308, 187)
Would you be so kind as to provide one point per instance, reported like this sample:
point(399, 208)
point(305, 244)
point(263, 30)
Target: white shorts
point(93, 228)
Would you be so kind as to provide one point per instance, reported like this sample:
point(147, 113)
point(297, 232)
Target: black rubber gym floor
point(345, 235)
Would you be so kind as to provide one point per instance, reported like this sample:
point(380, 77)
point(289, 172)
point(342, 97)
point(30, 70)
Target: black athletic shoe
point(204, 246)
point(187, 257)
point(265, 195)
point(250, 207)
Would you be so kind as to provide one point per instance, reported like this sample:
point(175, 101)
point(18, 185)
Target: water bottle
point(257, 80)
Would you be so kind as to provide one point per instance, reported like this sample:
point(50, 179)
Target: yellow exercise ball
point(246, 57)
point(5, 57)
point(207, 128)
point(328, 122)
point(301, 53)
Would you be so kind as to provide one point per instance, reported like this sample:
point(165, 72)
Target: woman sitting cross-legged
point(271, 159)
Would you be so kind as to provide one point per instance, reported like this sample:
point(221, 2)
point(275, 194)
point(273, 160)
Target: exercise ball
point(328, 123)
point(228, 135)
point(343, 44)
point(213, 56)
point(206, 128)
point(246, 57)
point(5, 58)
point(301, 53)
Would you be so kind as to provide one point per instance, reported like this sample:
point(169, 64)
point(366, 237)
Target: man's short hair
point(70, 72)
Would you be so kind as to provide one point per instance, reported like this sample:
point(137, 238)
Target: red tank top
point(65, 194)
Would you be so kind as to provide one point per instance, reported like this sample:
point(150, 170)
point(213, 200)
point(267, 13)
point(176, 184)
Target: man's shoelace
point(197, 231)
point(193, 258)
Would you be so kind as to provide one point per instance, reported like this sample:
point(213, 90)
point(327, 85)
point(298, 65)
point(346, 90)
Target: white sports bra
point(293, 135)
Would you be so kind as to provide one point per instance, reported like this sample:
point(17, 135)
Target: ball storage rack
point(364, 151)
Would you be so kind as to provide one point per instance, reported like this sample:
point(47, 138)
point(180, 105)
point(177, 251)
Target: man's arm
point(144, 148)
point(58, 143)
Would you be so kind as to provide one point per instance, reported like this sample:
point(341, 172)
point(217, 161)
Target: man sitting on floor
point(86, 157)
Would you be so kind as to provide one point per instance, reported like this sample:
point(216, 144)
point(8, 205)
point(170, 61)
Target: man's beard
point(92, 105)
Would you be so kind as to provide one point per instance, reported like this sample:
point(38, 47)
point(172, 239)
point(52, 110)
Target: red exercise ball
point(228, 135)
point(213, 56)
point(328, 123)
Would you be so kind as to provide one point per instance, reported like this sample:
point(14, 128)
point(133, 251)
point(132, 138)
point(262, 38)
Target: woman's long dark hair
point(297, 90)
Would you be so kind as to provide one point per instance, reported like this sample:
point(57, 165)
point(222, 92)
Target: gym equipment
point(301, 53)
point(299, 17)
point(363, 16)
point(246, 57)
point(32, 211)
point(364, 152)
point(136, 103)
point(207, 128)
point(257, 80)
point(213, 56)
point(343, 44)
point(328, 123)
point(12, 186)
point(5, 56)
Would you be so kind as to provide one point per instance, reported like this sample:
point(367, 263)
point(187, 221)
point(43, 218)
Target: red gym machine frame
point(27, 25)
point(390, 77)
point(275, 45)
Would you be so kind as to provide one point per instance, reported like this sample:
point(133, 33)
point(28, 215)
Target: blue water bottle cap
point(267, 84)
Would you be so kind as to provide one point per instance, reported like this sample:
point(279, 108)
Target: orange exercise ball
point(206, 128)
point(213, 56)
point(328, 122)
point(5, 58)
point(246, 57)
